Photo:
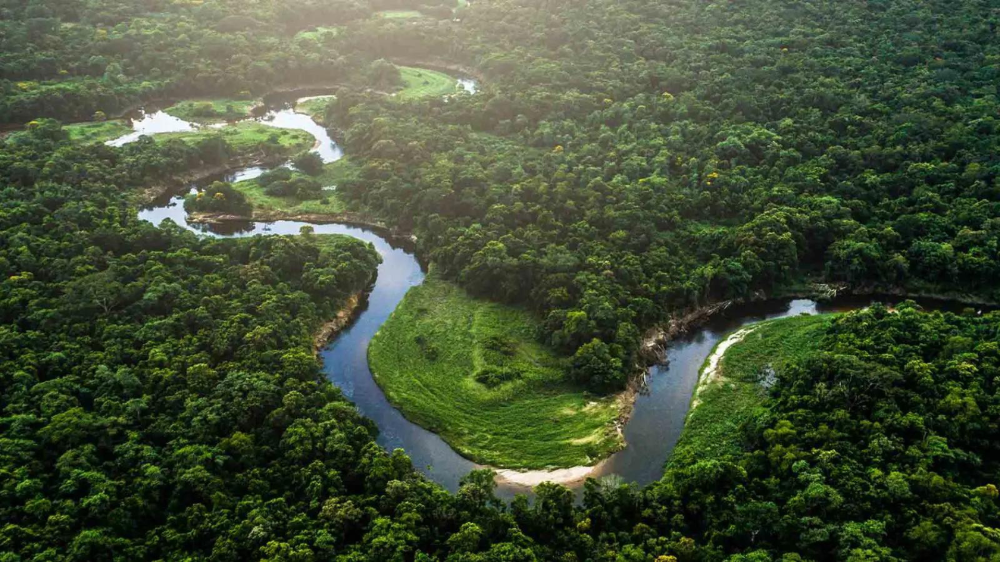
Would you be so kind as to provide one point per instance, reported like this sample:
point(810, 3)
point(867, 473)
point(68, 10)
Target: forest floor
point(734, 381)
point(472, 371)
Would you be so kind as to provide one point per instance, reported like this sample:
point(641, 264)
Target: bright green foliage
point(422, 83)
point(249, 135)
point(97, 131)
point(472, 371)
point(267, 198)
point(319, 34)
point(714, 427)
point(212, 110)
point(314, 108)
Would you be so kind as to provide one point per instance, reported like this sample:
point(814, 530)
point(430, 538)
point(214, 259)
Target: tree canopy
point(623, 161)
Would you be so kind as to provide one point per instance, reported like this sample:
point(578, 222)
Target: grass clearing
point(247, 135)
point(712, 429)
point(399, 14)
point(215, 110)
point(318, 33)
point(421, 83)
point(96, 131)
point(472, 371)
point(332, 174)
point(315, 107)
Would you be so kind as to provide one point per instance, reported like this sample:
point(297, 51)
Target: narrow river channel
point(659, 413)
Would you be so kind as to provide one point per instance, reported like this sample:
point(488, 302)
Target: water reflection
point(280, 118)
point(153, 123)
point(469, 85)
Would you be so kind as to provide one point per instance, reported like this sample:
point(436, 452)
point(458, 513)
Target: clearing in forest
point(421, 82)
point(728, 397)
point(473, 372)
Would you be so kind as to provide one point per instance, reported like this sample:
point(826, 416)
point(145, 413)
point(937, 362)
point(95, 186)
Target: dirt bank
point(344, 317)
point(712, 371)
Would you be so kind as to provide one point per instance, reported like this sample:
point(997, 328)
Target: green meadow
point(247, 135)
point(96, 131)
point(315, 108)
point(421, 83)
point(473, 372)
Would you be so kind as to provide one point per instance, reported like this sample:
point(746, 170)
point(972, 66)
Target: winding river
point(659, 412)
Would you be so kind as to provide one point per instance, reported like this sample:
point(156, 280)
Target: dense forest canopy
point(624, 161)
point(71, 59)
point(627, 160)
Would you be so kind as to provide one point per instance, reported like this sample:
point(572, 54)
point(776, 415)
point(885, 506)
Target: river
point(657, 418)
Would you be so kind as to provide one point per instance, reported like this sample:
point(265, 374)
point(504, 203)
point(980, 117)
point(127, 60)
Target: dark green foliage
point(594, 365)
point(82, 57)
point(277, 174)
point(383, 75)
point(309, 163)
point(299, 188)
point(157, 384)
point(220, 197)
point(495, 375)
point(628, 160)
point(282, 182)
point(624, 160)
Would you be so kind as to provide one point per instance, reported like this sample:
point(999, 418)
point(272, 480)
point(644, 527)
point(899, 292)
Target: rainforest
point(499, 280)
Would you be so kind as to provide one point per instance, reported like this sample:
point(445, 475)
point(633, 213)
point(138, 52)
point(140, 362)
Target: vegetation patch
point(265, 195)
point(315, 107)
point(400, 14)
point(96, 131)
point(247, 136)
point(714, 428)
point(473, 372)
point(212, 110)
point(319, 34)
point(422, 83)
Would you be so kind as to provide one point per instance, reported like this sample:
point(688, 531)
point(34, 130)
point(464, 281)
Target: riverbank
point(711, 372)
point(344, 316)
point(734, 380)
point(532, 478)
point(656, 339)
point(347, 218)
